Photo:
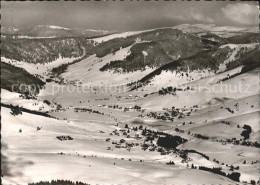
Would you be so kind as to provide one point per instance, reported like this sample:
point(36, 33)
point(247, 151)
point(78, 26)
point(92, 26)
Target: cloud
point(194, 15)
point(242, 13)
point(128, 15)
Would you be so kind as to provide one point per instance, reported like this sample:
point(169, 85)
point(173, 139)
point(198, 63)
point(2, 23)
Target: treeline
point(18, 80)
point(58, 182)
point(201, 136)
point(233, 176)
point(169, 141)
point(167, 90)
point(112, 46)
point(246, 133)
point(244, 38)
point(18, 110)
point(194, 151)
point(62, 138)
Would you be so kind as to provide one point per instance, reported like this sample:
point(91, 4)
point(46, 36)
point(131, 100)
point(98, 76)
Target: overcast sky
point(128, 15)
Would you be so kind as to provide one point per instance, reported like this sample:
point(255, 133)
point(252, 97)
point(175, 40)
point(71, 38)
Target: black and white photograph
point(130, 92)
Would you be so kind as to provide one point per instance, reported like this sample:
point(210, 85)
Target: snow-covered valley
point(92, 126)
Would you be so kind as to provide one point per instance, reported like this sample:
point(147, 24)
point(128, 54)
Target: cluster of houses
point(149, 139)
point(87, 110)
point(172, 113)
point(241, 142)
point(135, 108)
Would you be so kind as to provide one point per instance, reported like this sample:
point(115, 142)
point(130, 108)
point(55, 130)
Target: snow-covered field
point(32, 155)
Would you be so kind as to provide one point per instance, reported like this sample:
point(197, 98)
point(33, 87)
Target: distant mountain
point(149, 48)
point(8, 30)
point(198, 28)
point(44, 50)
point(161, 46)
point(43, 31)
